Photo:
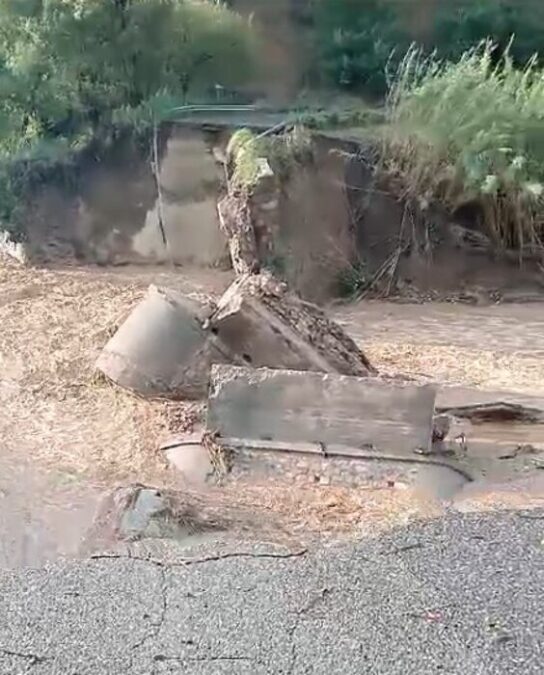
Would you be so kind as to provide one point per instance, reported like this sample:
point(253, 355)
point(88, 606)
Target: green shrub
point(355, 40)
point(283, 151)
point(472, 131)
point(359, 41)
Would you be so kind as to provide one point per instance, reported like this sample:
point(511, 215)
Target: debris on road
point(137, 513)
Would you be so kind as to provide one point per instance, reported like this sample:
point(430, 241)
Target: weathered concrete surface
point(259, 319)
point(162, 349)
point(461, 595)
point(297, 407)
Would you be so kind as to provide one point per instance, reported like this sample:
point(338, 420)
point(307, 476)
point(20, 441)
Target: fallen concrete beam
point(161, 350)
point(326, 410)
point(259, 319)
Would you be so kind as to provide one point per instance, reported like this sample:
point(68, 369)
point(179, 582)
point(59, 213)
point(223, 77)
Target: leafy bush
point(360, 40)
point(284, 152)
point(355, 40)
point(472, 131)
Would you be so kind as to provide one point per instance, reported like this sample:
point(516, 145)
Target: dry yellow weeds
point(53, 324)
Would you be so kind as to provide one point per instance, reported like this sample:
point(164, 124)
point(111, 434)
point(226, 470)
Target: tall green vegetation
point(358, 40)
point(72, 69)
point(472, 132)
point(68, 65)
point(355, 39)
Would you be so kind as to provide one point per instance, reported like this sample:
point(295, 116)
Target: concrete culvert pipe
point(161, 350)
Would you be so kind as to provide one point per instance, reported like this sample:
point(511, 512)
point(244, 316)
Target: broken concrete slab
point(450, 397)
point(329, 411)
point(259, 319)
point(162, 348)
point(137, 513)
point(498, 411)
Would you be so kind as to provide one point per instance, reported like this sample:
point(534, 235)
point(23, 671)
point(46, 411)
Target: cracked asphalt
point(460, 595)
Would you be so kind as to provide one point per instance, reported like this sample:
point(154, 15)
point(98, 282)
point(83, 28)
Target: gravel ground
point(462, 594)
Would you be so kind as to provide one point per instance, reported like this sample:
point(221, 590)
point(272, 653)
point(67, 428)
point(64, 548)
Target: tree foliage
point(66, 66)
point(356, 38)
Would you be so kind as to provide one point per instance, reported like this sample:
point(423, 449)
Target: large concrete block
point(273, 408)
point(162, 349)
point(267, 326)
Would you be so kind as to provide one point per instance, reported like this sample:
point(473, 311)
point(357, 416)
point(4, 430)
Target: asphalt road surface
point(464, 594)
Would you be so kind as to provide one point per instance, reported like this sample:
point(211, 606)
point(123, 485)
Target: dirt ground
point(65, 433)
point(54, 322)
point(497, 347)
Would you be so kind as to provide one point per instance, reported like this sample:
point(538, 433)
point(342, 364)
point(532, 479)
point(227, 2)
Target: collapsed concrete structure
point(282, 372)
point(167, 345)
point(161, 350)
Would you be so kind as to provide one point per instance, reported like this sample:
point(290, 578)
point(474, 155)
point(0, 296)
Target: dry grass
point(279, 513)
point(55, 409)
point(486, 369)
point(334, 511)
point(57, 412)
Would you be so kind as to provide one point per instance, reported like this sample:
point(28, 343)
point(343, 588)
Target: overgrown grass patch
point(471, 132)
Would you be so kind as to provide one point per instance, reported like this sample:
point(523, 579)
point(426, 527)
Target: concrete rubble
point(268, 326)
point(161, 349)
point(167, 345)
point(315, 412)
point(236, 224)
point(136, 513)
point(282, 375)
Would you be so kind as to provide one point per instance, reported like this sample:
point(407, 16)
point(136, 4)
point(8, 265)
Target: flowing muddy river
point(63, 437)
